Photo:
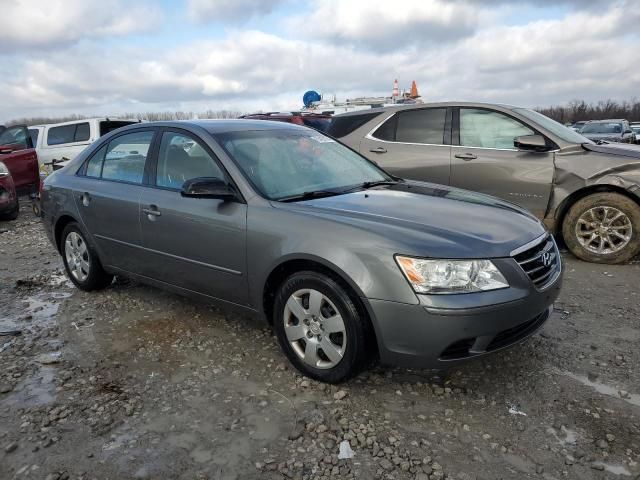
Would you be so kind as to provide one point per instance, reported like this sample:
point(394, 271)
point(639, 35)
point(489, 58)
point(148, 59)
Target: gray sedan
point(589, 193)
point(349, 264)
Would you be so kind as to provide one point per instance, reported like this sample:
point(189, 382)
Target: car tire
point(318, 298)
point(81, 261)
point(585, 218)
point(13, 214)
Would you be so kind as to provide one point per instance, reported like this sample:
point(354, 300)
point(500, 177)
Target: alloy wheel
point(77, 255)
point(315, 329)
point(604, 230)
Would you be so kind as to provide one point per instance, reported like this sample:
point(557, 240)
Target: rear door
point(107, 193)
point(413, 144)
point(485, 159)
point(195, 243)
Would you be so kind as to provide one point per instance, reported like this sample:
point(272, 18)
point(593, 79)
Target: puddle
point(615, 469)
point(42, 308)
point(632, 398)
point(36, 390)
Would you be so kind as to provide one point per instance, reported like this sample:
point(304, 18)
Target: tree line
point(577, 110)
point(146, 116)
point(573, 111)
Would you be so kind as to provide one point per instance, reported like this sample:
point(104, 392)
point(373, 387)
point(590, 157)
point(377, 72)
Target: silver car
point(348, 263)
point(589, 193)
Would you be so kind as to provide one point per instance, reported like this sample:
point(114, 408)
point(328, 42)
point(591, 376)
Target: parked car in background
point(348, 263)
point(577, 126)
point(9, 206)
point(58, 143)
point(635, 126)
point(316, 121)
point(20, 158)
point(588, 193)
point(608, 131)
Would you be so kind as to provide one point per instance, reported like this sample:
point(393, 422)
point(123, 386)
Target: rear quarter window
point(77, 132)
point(343, 126)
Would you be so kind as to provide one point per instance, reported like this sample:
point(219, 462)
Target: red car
point(9, 206)
point(317, 121)
point(19, 170)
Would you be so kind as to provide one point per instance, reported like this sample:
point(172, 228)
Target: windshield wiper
point(377, 183)
point(310, 195)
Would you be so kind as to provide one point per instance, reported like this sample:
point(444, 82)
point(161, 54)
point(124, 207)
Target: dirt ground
point(133, 382)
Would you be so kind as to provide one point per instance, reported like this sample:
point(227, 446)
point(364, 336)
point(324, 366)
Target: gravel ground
point(133, 382)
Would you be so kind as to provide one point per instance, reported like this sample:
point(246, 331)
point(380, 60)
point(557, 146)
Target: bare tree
point(577, 110)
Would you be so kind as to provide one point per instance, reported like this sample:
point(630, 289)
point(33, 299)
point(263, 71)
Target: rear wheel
point(81, 260)
point(320, 328)
point(603, 228)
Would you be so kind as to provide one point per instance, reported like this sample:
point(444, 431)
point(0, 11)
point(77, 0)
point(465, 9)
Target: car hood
point(433, 220)
point(622, 150)
point(602, 136)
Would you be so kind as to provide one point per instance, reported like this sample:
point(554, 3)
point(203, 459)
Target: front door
point(485, 160)
point(107, 193)
point(195, 243)
point(413, 144)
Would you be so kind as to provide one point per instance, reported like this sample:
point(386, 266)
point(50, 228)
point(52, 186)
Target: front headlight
point(451, 276)
point(4, 171)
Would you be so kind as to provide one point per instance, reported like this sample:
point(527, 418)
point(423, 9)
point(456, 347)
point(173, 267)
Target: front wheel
point(320, 328)
point(81, 260)
point(603, 228)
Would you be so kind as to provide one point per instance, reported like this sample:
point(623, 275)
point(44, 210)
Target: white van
point(61, 142)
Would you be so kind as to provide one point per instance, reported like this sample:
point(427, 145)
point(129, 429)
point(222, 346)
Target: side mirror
point(533, 143)
point(208, 187)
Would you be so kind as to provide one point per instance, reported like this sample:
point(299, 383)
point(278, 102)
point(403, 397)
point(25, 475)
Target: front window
point(14, 136)
point(288, 163)
point(182, 158)
point(489, 129)
point(557, 129)
point(603, 128)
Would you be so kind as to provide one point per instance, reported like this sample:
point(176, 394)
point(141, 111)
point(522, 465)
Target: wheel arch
point(567, 203)
point(294, 264)
point(59, 227)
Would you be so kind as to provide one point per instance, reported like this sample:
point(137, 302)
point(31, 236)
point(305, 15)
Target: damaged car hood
point(625, 150)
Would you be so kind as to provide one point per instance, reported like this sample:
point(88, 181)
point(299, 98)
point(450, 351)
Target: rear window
point(108, 126)
point(421, 126)
point(343, 126)
point(77, 132)
point(318, 123)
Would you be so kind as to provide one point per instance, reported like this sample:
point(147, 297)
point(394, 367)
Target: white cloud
point(32, 23)
point(583, 55)
point(384, 25)
point(204, 11)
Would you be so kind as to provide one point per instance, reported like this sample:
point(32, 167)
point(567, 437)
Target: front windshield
point(287, 163)
point(559, 130)
point(602, 127)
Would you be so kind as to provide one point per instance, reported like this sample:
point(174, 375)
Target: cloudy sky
point(110, 56)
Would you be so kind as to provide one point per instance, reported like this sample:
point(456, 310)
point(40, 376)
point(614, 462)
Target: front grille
point(468, 347)
point(511, 335)
point(541, 262)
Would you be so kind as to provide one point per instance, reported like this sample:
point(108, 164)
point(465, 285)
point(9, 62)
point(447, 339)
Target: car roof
point(607, 120)
point(414, 106)
point(214, 126)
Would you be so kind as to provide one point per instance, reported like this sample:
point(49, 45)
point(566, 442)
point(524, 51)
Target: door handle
point(466, 156)
point(378, 150)
point(151, 212)
point(85, 198)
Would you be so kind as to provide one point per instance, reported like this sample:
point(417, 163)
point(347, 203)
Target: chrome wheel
point(77, 256)
point(315, 329)
point(604, 230)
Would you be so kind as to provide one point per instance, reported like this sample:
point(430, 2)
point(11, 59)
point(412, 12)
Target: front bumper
point(442, 330)
point(8, 200)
